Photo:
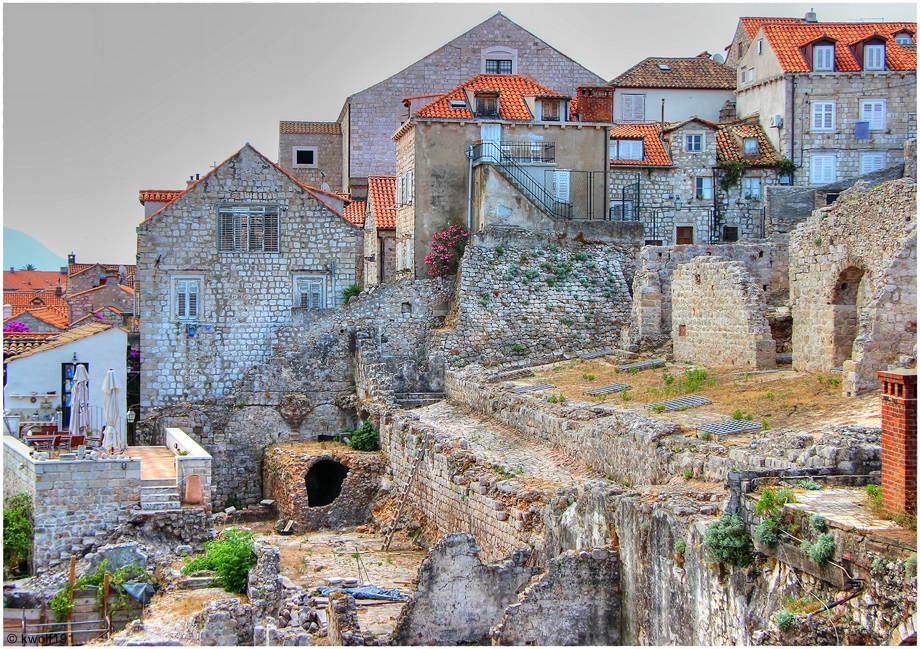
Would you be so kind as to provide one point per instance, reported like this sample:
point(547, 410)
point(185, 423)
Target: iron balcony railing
point(530, 152)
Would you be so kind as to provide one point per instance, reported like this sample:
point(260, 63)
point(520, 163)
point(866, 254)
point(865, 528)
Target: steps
point(160, 495)
point(410, 400)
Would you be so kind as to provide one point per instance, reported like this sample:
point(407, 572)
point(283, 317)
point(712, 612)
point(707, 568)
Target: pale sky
point(103, 100)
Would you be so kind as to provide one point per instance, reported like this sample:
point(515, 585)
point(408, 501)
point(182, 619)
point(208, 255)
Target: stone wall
point(82, 304)
point(718, 316)
point(853, 290)
point(787, 206)
point(328, 156)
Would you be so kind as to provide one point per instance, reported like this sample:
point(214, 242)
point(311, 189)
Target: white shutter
point(822, 169)
point(561, 186)
point(410, 180)
point(822, 114)
point(874, 113)
point(181, 293)
point(633, 108)
point(874, 57)
point(871, 162)
point(192, 299)
point(824, 57)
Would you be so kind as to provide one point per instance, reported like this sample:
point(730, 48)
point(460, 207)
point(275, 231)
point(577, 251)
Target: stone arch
point(847, 298)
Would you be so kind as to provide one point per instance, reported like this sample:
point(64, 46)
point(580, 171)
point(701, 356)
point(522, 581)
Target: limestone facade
point(115, 295)
point(718, 316)
point(312, 152)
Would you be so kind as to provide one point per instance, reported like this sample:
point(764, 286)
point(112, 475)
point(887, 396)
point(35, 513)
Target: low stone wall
point(343, 629)
point(223, 623)
point(718, 316)
point(196, 461)
point(72, 500)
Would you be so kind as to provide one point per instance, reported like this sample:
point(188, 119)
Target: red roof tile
point(158, 195)
point(310, 128)
point(55, 316)
point(787, 41)
point(510, 88)
point(354, 212)
point(730, 138)
point(20, 302)
point(77, 269)
point(751, 25)
point(680, 73)
point(33, 280)
point(15, 343)
point(126, 289)
point(381, 191)
point(650, 134)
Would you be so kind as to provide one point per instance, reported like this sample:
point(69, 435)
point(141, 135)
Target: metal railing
point(532, 152)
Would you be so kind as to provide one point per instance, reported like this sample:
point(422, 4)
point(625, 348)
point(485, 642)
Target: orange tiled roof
point(682, 73)
point(33, 280)
point(381, 192)
point(15, 343)
point(729, 139)
point(158, 195)
point(787, 41)
point(751, 25)
point(511, 90)
point(126, 289)
point(354, 212)
point(20, 302)
point(650, 134)
point(310, 128)
point(77, 269)
point(69, 336)
point(52, 315)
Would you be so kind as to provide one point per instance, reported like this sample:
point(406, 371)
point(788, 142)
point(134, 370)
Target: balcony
point(519, 152)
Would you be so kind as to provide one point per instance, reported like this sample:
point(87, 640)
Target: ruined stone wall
point(718, 316)
point(524, 300)
point(853, 270)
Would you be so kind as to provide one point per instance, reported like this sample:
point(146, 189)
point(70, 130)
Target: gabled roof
point(66, 337)
point(78, 269)
point(787, 41)
point(730, 138)
point(20, 302)
point(670, 126)
point(752, 25)
point(510, 88)
point(158, 195)
point(33, 280)
point(381, 192)
point(354, 212)
point(16, 343)
point(52, 315)
point(655, 155)
point(91, 316)
point(310, 128)
point(126, 289)
point(697, 72)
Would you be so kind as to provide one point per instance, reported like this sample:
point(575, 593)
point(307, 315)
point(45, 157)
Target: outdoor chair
point(77, 440)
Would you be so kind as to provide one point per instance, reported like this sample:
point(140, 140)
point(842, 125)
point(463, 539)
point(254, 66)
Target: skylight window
point(664, 67)
point(457, 103)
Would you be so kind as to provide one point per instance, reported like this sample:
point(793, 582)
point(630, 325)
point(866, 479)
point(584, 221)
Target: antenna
point(325, 187)
point(718, 58)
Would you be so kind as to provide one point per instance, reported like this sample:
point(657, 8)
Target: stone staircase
point(160, 495)
point(410, 400)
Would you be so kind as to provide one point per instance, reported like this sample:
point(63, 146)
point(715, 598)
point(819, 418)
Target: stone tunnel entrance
point(324, 482)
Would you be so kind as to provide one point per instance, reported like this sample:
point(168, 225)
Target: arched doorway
point(846, 301)
point(324, 482)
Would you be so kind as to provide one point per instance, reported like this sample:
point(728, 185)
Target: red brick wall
point(595, 104)
point(899, 440)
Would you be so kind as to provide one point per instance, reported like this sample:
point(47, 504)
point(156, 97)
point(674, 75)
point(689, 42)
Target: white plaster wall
point(678, 103)
point(767, 98)
point(41, 372)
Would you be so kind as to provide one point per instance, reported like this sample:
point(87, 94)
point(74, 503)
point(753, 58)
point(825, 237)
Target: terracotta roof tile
point(33, 280)
point(752, 25)
point(126, 289)
point(16, 343)
point(381, 192)
point(653, 147)
point(787, 41)
point(681, 73)
point(730, 138)
point(354, 212)
point(66, 337)
point(52, 315)
point(310, 128)
point(77, 269)
point(511, 90)
point(20, 302)
point(158, 195)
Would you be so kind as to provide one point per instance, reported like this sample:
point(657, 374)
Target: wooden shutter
point(225, 231)
point(270, 233)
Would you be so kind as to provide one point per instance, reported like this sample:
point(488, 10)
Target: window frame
point(618, 154)
point(702, 142)
point(557, 104)
point(486, 97)
point(231, 216)
point(635, 98)
point(818, 52)
point(865, 155)
point(747, 184)
point(313, 279)
point(874, 124)
point(811, 169)
point(903, 38)
point(499, 64)
point(750, 140)
point(701, 186)
point(174, 286)
point(833, 115)
point(297, 149)
point(874, 47)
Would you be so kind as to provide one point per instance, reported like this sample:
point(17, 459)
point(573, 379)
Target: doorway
point(845, 307)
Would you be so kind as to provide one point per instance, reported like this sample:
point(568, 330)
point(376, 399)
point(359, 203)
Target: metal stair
point(403, 497)
point(160, 495)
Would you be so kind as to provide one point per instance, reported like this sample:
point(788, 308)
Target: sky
point(103, 100)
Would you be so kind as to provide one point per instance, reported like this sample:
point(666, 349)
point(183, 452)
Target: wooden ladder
point(403, 497)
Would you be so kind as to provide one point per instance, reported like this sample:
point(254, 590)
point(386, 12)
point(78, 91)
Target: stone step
point(163, 489)
point(158, 482)
point(159, 498)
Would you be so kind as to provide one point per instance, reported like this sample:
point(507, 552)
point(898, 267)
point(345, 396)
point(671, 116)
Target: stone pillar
point(899, 440)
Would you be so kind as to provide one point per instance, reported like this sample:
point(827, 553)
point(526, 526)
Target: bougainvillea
point(446, 249)
point(16, 327)
point(98, 316)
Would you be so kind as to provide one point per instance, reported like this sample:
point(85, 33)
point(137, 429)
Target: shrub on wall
point(17, 532)
point(446, 249)
point(230, 556)
point(726, 541)
point(365, 438)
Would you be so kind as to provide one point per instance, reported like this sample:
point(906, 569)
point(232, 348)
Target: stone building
point(369, 117)
point(380, 230)
point(42, 306)
point(675, 180)
point(671, 89)
point(115, 295)
point(226, 264)
point(837, 99)
point(745, 33)
point(312, 152)
point(496, 150)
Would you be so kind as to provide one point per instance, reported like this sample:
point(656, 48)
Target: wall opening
point(845, 301)
point(324, 482)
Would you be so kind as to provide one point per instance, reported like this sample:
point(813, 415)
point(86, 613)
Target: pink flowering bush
point(446, 249)
point(99, 316)
point(16, 327)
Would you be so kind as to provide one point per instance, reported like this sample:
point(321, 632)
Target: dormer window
point(874, 57)
point(823, 58)
point(626, 150)
point(550, 111)
point(903, 38)
point(664, 67)
point(486, 105)
point(750, 146)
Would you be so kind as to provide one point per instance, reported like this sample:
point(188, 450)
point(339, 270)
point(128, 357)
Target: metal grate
point(690, 401)
point(607, 389)
point(532, 388)
point(598, 354)
point(730, 427)
point(507, 376)
point(643, 365)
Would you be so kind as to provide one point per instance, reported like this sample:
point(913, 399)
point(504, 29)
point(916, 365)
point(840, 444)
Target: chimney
point(899, 441)
point(7, 311)
point(12, 269)
point(811, 16)
point(63, 270)
point(112, 276)
point(58, 290)
point(71, 258)
point(595, 103)
point(728, 112)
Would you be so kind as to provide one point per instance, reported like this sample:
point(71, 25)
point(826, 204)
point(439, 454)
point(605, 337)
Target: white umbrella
point(79, 402)
point(110, 435)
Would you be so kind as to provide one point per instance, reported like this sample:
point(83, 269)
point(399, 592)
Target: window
point(750, 188)
point(247, 229)
point(823, 58)
point(823, 114)
point(308, 292)
point(187, 298)
point(903, 39)
point(874, 57)
point(621, 211)
point(750, 75)
point(873, 111)
point(743, 74)
point(550, 111)
point(729, 233)
point(626, 150)
point(871, 162)
point(760, 46)
point(750, 146)
point(693, 143)
point(823, 169)
point(683, 237)
point(632, 108)
point(498, 66)
point(486, 106)
point(664, 67)
point(304, 157)
point(704, 187)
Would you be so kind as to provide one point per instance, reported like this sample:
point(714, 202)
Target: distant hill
point(20, 249)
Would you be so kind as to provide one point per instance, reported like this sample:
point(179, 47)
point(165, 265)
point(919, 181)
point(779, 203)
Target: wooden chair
point(77, 440)
point(61, 443)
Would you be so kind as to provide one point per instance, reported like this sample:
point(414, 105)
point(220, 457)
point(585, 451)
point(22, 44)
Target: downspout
point(605, 157)
point(332, 273)
point(792, 135)
point(469, 192)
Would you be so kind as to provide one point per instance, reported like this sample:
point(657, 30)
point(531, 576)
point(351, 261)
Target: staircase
point(403, 497)
point(515, 174)
point(410, 400)
point(160, 495)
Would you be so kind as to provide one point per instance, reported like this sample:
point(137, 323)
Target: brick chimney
point(899, 441)
point(595, 104)
point(728, 112)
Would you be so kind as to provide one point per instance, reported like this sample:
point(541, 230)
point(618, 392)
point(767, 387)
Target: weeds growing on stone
point(726, 541)
point(783, 620)
point(822, 550)
point(809, 485)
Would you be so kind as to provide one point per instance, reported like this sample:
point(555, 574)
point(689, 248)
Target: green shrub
point(785, 495)
point(822, 550)
point(875, 495)
point(230, 557)
point(351, 291)
point(17, 532)
point(726, 541)
point(910, 566)
point(737, 415)
point(817, 523)
point(764, 424)
point(129, 572)
point(694, 379)
point(688, 474)
point(517, 347)
point(767, 533)
point(658, 407)
point(680, 547)
point(808, 484)
point(62, 604)
point(783, 620)
point(365, 438)
point(704, 435)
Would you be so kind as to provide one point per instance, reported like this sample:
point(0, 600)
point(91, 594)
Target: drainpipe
point(332, 273)
point(662, 114)
point(792, 135)
point(469, 192)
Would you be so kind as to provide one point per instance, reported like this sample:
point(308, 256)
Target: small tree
point(446, 249)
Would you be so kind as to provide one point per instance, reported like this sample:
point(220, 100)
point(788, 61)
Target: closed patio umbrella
point(111, 438)
point(79, 403)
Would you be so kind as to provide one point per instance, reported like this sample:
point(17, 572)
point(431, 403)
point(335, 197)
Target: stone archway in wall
point(324, 482)
point(846, 300)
